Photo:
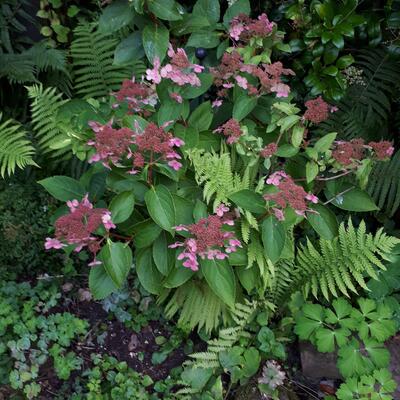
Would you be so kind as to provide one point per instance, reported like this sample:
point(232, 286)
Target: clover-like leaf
point(326, 339)
point(342, 309)
point(309, 321)
point(350, 360)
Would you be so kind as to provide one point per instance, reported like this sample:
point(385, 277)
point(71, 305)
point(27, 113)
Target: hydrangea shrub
point(188, 189)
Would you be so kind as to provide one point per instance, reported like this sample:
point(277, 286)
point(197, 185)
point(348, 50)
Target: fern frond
point(198, 306)
point(339, 265)
point(384, 185)
point(214, 172)
point(281, 283)
point(95, 74)
point(366, 108)
point(227, 338)
point(17, 68)
point(15, 149)
point(44, 108)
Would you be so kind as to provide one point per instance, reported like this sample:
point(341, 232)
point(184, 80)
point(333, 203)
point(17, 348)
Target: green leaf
point(350, 361)
point(169, 110)
point(249, 277)
point(273, 237)
point(191, 92)
point(155, 39)
point(243, 106)
point(161, 208)
point(249, 200)
point(201, 117)
point(100, 283)
point(205, 39)
point(345, 61)
point(326, 339)
point(161, 254)
point(63, 188)
point(145, 233)
point(323, 221)
point(379, 355)
point(164, 9)
point(221, 279)
point(238, 7)
point(117, 261)
point(311, 319)
point(200, 210)
point(115, 16)
point(121, 207)
point(208, 8)
point(312, 170)
point(178, 275)
point(354, 200)
point(288, 122)
point(330, 54)
point(129, 50)
point(297, 135)
point(231, 357)
point(322, 145)
point(149, 276)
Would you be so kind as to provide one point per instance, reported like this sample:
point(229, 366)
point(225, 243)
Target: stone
point(318, 365)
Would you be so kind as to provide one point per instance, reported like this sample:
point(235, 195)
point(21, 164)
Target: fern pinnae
point(16, 151)
point(348, 258)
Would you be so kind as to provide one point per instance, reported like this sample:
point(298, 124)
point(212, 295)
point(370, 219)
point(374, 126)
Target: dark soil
point(120, 342)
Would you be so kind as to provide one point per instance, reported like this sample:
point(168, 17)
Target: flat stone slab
point(318, 365)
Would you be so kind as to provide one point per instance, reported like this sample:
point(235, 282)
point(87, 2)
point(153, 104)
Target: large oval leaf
point(161, 255)
point(145, 233)
point(115, 16)
point(100, 283)
point(117, 261)
point(63, 188)
point(221, 279)
point(161, 207)
point(155, 40)
point(129, 50)
point(121, 207)
point(323, 221)
point(149, 276)
point(207, 8)
point(178, 275)
point(273, 238)
point(243, 106)
point(249, 200)
point(164, 9)
point(353, 200)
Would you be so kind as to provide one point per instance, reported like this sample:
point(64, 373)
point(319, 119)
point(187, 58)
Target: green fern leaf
point(15, 149)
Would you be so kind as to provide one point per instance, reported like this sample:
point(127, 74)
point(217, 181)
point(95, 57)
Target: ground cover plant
point(208, 187)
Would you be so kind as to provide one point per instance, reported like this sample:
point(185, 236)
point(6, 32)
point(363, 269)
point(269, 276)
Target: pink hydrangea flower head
point(175, 165)
point(241, 81)
point(275, 178)
point(221, 210)
point(289, 194)
point(52, 243)
point(311, 197)
point(317, 110)
point(153, 75)
point(269, 150)
point(217, 103)
point(177, 97)
point(208, 240)
point(79, 227)
point(383, 149)
point(107, 221)
point(231, 129)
